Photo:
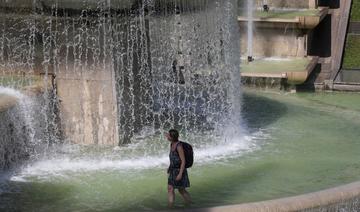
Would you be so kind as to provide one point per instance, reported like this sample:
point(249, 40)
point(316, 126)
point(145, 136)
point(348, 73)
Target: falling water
point(19, 140)
point(250, 27)
point(169, 64)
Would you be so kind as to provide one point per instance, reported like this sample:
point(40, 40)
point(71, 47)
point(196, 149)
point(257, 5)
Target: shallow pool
point(292, 144)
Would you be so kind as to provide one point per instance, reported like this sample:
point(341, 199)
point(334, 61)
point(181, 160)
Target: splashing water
point(174, 64)
point(17, 129)
point(131, 158)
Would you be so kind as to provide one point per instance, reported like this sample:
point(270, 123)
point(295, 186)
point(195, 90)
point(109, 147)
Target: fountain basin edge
point(345, 195)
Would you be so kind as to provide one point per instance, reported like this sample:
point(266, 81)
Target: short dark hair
point(174, 134)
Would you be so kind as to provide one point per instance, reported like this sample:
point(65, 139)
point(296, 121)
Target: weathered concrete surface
point(269, 42)
point(325, 200)
point(88, 107)
point(280, 37)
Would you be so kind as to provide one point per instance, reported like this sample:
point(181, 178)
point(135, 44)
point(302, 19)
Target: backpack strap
point(175, 146)
point(179, 142)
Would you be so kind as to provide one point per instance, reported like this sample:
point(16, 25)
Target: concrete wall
point(88, 107)
point(273, 42)
point(84, 79)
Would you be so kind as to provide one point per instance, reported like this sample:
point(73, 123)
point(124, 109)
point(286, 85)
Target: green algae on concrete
point(282, 14)
point(275, 65)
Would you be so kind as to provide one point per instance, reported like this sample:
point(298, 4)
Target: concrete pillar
point(313, 4)
point(88, 107)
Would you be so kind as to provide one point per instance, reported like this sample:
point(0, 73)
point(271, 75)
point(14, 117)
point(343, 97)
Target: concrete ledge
point(294, 77)
point(297, 78)
point(266, 75)
point(353, 87)
point(299, 22)
point(322, 199)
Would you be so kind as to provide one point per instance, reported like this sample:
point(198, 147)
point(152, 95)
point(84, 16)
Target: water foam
point(11, 92)
point(65, 165)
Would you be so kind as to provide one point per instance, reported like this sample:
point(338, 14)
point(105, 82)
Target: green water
point(308, 142)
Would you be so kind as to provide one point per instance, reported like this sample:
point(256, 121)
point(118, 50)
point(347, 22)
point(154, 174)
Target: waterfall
point(17, 128)
point(185, 68)
point(146, 66)
point(250, 28)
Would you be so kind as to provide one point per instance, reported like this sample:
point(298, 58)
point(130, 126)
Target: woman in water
point(177, 173)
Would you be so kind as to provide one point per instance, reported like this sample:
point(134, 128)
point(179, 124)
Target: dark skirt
point(183, 183)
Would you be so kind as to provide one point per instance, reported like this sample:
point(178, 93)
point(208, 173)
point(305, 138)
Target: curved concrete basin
point(299, 77)
point(323, 200)
point(7, 102)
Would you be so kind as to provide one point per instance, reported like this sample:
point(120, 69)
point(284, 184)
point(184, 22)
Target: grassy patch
point(355, 11)
point(352, 52)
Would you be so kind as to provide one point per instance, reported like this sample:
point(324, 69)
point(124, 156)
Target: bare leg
point(171, 196)
point(185, 195)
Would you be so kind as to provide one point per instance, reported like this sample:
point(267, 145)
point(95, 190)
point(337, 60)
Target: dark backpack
point(189, 154)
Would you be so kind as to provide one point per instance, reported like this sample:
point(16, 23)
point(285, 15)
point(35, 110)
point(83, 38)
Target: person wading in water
point(177, 173)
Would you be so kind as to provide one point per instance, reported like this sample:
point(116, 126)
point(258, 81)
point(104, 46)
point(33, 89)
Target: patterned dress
point(174, 170)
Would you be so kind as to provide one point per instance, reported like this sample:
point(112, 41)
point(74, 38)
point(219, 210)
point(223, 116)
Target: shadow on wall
point(309, 84)
point(258, 111)
point(319, 43)
point(333, 4)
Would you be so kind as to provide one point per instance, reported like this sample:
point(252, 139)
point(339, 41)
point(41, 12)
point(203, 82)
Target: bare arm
point(180, 150)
